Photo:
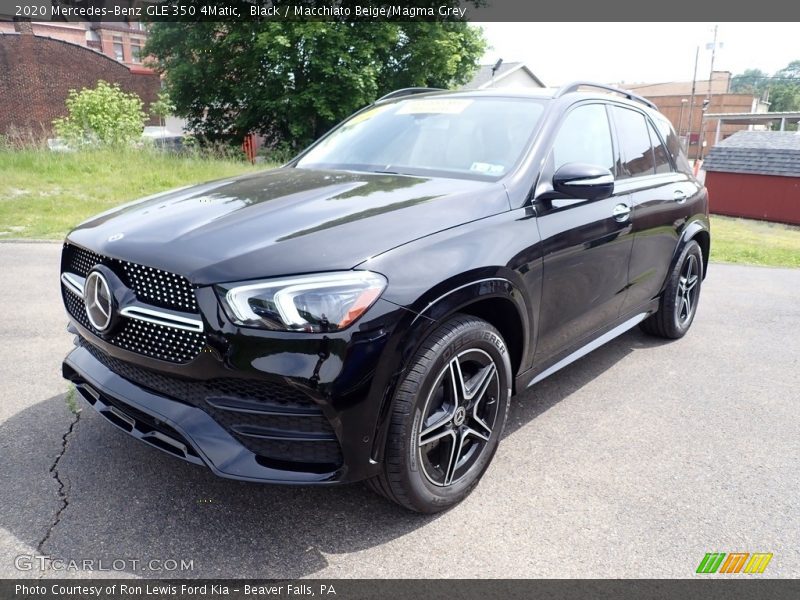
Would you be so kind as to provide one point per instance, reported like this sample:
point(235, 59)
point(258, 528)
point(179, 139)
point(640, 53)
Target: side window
point(662, 158)
point(673, 144)
point(584, 137)
point(634, 142)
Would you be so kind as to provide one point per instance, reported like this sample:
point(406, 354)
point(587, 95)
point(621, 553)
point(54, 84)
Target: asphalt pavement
point(633, 462)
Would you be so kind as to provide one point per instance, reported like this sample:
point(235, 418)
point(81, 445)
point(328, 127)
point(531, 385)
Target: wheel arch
point(697, 230)
point(495, 299)
point(498, 301)
point(703, 237)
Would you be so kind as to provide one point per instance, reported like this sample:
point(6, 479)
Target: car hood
point(284, 221)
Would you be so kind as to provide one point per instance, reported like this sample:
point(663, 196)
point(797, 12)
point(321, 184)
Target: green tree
point(784, 92)
point(162, 107)
point(104, 115)
point(791, 71)
point(784, 97)
point(783, 87)
point(752, 81)
point(292, 81)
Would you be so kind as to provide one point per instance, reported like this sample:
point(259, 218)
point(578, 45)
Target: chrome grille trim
point(162, 318)
point(74, 283)
point(161, 321)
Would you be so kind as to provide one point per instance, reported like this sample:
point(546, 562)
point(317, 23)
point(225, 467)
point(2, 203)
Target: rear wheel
point(678, 304)
point(447, 416)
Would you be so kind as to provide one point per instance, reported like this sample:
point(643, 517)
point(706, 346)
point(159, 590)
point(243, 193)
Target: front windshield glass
point(475, 138)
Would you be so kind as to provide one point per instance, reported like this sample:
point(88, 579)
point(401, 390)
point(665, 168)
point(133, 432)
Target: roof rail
point(576, 85)
point(410, 91)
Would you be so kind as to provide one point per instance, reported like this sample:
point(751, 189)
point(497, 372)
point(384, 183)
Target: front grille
point(160, 288)
point(152, 286)
point(76, 308)
point(158, 341)
point(283, 426)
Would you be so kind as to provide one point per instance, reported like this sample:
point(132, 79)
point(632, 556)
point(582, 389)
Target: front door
point(586, 244)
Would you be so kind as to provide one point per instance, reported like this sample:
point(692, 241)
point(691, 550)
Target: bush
point(105, 116)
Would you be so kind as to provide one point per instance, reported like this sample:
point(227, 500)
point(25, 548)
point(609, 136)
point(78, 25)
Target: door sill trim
point(593, 345)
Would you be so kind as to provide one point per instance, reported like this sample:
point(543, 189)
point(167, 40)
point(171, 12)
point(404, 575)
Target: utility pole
point(691, 102)
point(707, 102)
point(684, 101)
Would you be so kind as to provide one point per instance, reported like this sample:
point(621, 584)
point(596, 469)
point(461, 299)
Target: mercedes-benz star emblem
point(97, 297)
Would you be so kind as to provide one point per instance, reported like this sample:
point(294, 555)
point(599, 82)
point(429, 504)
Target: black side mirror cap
point(583, 181)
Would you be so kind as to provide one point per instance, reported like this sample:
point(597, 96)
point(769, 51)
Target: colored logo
point(735, 562)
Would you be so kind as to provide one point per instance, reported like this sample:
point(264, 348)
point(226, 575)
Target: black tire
point(672, 320)
point(412, 476)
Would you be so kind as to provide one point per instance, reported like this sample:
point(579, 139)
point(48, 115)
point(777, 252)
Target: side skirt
point(536, 374)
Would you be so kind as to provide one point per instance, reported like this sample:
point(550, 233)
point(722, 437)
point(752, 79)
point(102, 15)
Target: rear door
point(658, 194)
point(586, 248)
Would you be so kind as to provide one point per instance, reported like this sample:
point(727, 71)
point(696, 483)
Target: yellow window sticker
point(367, 114)
point(438, 106)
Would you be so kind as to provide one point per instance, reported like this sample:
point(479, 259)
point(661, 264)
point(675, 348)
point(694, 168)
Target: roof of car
point(542, 93)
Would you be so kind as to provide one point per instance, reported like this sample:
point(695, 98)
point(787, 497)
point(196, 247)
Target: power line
point(759, 78)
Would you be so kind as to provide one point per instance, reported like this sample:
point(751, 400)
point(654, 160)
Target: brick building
point(120, 41)
point(673, 98)
point(37, 73)
point(678, 111)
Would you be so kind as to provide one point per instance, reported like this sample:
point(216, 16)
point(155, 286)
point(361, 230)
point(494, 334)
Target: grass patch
point(745, 241)
point(70, 399)
point(45, 194)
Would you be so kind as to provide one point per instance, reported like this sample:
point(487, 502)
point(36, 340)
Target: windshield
point(475, 138)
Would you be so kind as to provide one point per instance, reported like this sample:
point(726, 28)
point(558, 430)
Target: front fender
point(433, 308)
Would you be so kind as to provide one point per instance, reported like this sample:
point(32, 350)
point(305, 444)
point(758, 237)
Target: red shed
point(756, 174)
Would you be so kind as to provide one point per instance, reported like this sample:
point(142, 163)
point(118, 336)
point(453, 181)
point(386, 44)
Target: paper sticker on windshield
point(487, 168)
point(436, 106)
point(367, 114)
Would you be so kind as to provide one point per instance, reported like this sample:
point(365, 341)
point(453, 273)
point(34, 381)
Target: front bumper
point(251, 404)
point(316, 429)
point(174, 427)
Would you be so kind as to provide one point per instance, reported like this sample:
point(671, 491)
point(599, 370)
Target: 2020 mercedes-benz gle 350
point(366, 311)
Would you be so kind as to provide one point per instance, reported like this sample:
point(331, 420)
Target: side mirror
point(586, 182)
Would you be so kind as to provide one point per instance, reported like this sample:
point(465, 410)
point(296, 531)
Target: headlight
point(312, 303)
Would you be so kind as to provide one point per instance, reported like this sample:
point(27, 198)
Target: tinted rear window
point(673, 144)
point(634, 142)
point(660, 151)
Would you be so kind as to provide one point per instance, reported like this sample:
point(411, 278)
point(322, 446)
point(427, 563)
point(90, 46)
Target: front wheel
point(678, 304)
point(448, 414)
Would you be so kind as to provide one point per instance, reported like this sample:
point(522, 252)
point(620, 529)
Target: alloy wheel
point(687, 290)
point(459, 416)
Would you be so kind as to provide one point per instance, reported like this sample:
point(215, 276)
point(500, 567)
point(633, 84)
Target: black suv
point(366, 311)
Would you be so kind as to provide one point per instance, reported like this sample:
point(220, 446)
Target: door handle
point(679, 196)
point(621, 212)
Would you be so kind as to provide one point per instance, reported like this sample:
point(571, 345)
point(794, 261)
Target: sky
point(639, 52)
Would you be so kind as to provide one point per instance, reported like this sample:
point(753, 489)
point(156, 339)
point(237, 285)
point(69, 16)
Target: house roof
point(757, 152)
point(483, 77)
